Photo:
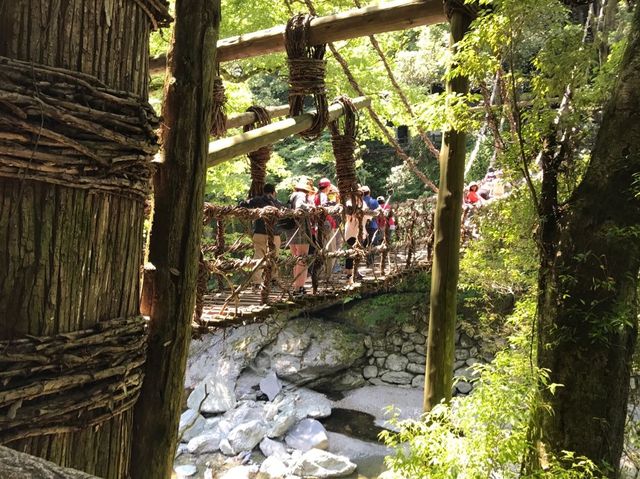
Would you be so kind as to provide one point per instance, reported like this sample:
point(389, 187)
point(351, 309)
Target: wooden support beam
point(243, 143)
point(360, 22)
point(241, 119)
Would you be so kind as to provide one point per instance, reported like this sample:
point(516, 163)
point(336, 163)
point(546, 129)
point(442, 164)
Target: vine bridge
point(228, 261)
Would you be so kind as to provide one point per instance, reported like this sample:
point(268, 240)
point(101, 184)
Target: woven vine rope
point(343, 141)
point(260, 157)
point(306, 73)
point(219, 113)
point(68, 128)
point(70, 381)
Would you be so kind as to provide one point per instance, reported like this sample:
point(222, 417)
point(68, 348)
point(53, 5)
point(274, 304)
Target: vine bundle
point(68, 128)
point(70, 381)
point(306, 73)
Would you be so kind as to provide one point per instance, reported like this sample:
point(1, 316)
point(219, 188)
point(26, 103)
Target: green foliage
point(482, 435)
point(504, 258)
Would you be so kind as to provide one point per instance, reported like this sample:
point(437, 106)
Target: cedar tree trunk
point(70, 258)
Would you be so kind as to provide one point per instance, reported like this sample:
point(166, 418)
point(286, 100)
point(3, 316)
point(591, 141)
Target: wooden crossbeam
point(360, 22)
point(246, 118)
point(243, 143)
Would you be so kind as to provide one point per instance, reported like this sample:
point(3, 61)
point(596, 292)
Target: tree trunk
point(70, 258)
point(169, 289)
point(446, 256)
point(588, 285)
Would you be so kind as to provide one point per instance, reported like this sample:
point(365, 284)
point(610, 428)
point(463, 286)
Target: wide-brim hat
point(304, 186)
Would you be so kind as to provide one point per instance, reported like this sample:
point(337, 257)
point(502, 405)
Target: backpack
point(286, 224)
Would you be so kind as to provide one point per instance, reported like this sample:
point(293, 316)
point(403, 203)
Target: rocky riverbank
point(259, 394)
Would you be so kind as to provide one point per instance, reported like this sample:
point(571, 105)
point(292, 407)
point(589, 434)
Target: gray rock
point(309, 403)
point(456, 339)
point(283, 418)
point(308, 349)
point(407, 348)
point(245, 412)
point(368, 342)
point(227, 353)
point(377, 382)
point(473, 361)
point(458, 364)
point(409, 328)
point(420, 349)
point(270, 385)
point(226, 449)
point(465, 341)
point(247, 384)
point(417, 358)
point(396, 362)
point(192, 424)
point(370, 372)
point(397, 377)
point(323, 464)
point(186, 470)
point(462, 354)
point(306, 435)
point(473, 352)
point(273, 468)
point(214, 394)
point(380, 362)
point(343, 382)
point(463, 387)
point(417, 338)
point(380, 354)
point(208, 442)
point(397, 340)
point(269, 447)
point(418, 381)
point(415, 368)
point(181, 449)
point(372, 361)
point(247, 436)
point(281, 423)
point(379, 343)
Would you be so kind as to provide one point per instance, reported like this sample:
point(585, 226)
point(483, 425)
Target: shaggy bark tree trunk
point(169, 289)
point(70, 258)
point(446, 255)
point(588, 284)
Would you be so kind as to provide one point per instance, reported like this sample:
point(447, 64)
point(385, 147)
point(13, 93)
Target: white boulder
point(246, 436)
point(306, 435)
point(323, 464)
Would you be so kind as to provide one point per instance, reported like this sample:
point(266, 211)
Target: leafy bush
point(484, 435)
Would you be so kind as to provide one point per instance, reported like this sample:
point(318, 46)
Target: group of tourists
point(490, 187)
point(365, 222)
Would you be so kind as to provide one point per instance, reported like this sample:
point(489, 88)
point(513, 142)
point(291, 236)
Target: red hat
point(324, 182)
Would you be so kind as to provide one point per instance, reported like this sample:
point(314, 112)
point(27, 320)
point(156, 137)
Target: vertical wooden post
point(169, 287)
point(446, 257)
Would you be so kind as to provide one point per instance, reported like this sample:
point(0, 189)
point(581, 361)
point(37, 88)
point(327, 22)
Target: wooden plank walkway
point(220, 310)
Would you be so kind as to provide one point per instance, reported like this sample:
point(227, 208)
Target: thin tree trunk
point(70, 258)
point(169, 288)
point(588, 285)
point(446, 256)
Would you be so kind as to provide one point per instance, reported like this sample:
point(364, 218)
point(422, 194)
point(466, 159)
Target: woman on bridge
point(300, 238)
